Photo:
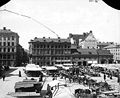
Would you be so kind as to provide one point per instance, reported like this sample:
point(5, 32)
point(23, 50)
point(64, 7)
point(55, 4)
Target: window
point(12, 43)
point(0, 50)
point(8, 43)
point(37, 45)
point(4, 50)
point(4, 43)
point(65, 46)
point(8, 38)
point(8, 56)
point(90, 52)
point(8, 49)
point(4, 38)
point(12, 37)
point(12, 49)
point(34, 46)
point(52, 46)
point(47, 46)
point(0, 43)
point(41, 46)
point(4, 56)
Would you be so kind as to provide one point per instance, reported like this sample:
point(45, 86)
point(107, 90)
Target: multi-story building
point(48, 51)
point(86, 40)
point(8, 47)
point(88, 56)
point(115, 50)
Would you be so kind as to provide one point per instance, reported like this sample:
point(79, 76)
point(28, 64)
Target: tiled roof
point(87, 51)
point(112, 46)
point(50, 40)
point(6, 32)
point(104, 44)
point(93, 52)
point(104, 52)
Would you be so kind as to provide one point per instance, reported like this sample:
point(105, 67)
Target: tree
point(21, 56)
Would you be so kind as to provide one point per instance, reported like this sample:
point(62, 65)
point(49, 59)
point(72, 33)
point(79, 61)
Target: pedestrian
point(39, 78)
point(104, 77)
point(79, 80)
point(3, 77)
point(19, 73)
point(49, 92)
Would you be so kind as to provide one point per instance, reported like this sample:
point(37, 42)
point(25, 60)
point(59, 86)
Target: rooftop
point(80, 36)
point(50, 40)
point(112, 46)
point(104, 52)
point(5, 31)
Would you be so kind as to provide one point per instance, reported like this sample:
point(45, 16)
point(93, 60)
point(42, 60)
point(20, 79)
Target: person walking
point(104, 77)
point(3, 77)
point(19, 73)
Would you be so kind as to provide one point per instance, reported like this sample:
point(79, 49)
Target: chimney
point(4, 28)
point(90, 31)
point(70, 35)
point(35, 38)
point(84, 34)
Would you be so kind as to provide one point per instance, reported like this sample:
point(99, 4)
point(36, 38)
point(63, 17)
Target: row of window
point(115, 50)
point(49, 58)
point(116, 53)
point(7, 43)
point(7, 49)
point(50, 46)
point(7, 56)
point(117, 58)
point(51, 52)
point(8, 38)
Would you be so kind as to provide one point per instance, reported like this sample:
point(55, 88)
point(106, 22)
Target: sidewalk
point(7, 86)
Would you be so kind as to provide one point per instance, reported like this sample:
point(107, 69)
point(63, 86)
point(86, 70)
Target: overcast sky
point(63, 17)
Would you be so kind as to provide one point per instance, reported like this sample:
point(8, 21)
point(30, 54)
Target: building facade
point(8, 47)
point(48, 51)
point(115, 50)
point(88, 56)
point(86, 40)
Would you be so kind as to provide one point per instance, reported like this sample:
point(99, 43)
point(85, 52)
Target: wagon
point(83, 93)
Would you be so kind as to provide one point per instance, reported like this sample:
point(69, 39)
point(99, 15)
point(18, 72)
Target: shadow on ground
point(8, 73)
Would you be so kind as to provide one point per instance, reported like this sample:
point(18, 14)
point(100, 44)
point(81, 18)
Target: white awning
point(33, 67)
point(90, 62)
point(58, 65)
point(50, 68)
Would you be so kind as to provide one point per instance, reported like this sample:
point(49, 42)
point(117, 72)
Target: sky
point(62, 17)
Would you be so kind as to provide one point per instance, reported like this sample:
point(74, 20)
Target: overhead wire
point(31, 19)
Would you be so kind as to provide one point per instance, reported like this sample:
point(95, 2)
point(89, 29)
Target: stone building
point(88, 56)
point(85, 40)
point(8, 47)
point(48, 51)
point(115, 50)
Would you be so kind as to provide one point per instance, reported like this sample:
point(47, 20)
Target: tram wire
point(31, 19)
